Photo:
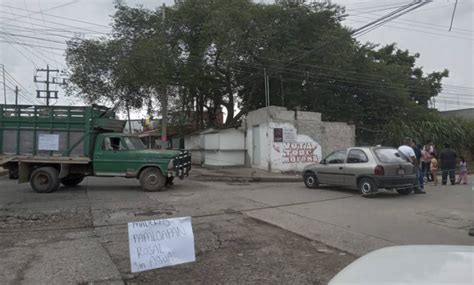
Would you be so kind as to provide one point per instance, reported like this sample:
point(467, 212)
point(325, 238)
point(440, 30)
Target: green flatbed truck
point(52, 145)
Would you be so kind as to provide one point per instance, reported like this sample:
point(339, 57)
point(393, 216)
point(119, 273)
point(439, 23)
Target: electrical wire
point(55, 16)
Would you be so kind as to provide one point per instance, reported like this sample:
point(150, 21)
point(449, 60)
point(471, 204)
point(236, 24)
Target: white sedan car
point(413, 264)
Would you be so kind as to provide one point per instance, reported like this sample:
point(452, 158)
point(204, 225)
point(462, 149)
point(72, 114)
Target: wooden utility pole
point(47, 82)
point(4, 85)
point(164, 93)
point(16, 95)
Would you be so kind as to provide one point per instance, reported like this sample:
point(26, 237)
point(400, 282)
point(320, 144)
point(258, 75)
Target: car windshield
point(134, 143)
point(389, 155)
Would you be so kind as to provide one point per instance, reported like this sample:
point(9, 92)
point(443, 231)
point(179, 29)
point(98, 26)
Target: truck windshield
point(134, 143)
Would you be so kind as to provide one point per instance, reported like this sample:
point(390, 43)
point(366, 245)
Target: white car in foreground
point(413, 264)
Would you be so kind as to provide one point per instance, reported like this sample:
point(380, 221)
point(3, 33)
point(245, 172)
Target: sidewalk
point(240, 174)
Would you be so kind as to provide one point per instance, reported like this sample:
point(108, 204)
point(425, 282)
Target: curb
point(222, 178)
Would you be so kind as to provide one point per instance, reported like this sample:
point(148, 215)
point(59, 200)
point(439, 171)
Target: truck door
point(109, 157)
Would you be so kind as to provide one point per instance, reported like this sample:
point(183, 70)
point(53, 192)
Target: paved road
point(343, 219)
point(79, 234)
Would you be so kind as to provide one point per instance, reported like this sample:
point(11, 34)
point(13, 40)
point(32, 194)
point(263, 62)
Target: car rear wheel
point(151, 179)
point(405, 191)
point(311, 181)
point(367, 187)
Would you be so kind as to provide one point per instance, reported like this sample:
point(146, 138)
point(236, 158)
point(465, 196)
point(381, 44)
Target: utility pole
point(47, 82)
point(129, 121)
point(16, 95)
point(4, 85)
point(281, 90)
point(164, 95)
point(267, 86)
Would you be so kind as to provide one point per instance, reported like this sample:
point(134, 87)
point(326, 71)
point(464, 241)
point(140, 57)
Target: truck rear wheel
point(45, 180)
point(151, 179)
point(72, 180)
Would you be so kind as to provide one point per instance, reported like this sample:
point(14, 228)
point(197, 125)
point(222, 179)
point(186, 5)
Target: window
point(357, 156)
point(336, 157)
point(113, 144)
point(389, 155)
point(134, 143)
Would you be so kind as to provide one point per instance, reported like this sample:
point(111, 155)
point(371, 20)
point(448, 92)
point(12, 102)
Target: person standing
point(409, 153)
point(462, 171)
point(447, 159)
point(419, 173)
point(426, 157)
point(434, 168)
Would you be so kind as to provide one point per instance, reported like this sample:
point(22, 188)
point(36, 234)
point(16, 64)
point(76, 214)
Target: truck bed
point(44, 159)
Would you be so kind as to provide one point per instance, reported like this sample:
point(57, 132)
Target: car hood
point(417, 264)
point(156, 153)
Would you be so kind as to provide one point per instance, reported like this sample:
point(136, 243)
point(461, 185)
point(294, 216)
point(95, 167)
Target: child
point(463, 171)
point(434, 168)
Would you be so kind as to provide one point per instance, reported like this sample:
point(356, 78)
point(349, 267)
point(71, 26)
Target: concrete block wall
point(337, 135)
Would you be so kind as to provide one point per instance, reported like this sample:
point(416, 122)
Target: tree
point(212, 54)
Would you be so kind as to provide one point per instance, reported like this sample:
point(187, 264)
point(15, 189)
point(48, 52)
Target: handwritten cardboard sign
point(48, 142)
point(159, 243)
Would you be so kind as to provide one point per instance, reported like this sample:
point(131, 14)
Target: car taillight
point(379, 171)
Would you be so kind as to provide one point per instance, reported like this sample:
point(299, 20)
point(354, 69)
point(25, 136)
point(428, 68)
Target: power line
point(413, 24)
point(424, 32)
point(27, 98)
point(46, 29)
point(397, 13)
point(14, 28)
point(452, 17)
point(304, 74)
point(424, 24)
point(333, 84)
point(56, 16)
point(37, 51)
point(417, 4)
point(55, 7)
point(52, 22)
point(31, 37)
point(29, 45)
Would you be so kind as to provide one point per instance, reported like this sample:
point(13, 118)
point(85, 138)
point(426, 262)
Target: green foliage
point(211, 54)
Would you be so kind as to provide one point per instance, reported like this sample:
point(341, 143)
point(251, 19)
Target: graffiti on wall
point(298, 152)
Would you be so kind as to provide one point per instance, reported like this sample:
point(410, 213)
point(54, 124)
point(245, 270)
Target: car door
point(108, 160)
point(331, 170)
point(356, 164)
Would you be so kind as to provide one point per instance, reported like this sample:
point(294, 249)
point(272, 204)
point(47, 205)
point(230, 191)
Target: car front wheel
point(311, 181)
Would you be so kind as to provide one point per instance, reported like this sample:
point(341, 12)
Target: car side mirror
point(323, 161)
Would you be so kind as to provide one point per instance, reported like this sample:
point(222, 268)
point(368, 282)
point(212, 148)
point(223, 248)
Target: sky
point(33, 34)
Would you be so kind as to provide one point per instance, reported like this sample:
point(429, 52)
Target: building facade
point(272, 139)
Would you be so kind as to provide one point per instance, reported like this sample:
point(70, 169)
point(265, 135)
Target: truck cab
point(123, 155)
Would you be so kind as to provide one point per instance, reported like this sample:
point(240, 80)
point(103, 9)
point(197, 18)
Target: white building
point(273, 139)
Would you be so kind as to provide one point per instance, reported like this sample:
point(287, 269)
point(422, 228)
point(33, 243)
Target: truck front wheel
point(72, 180)
point(151, 179)
point(45, 180)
